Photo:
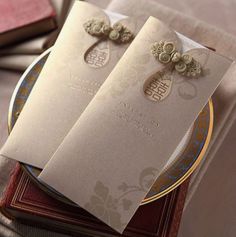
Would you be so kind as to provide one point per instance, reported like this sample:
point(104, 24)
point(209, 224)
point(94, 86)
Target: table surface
point(8, 81)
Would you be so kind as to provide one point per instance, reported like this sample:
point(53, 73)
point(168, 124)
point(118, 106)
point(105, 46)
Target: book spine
point(178, 210)
point(9, 190)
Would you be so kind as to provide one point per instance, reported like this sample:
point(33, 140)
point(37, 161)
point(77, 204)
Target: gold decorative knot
point(185, 64)
point(118, 33)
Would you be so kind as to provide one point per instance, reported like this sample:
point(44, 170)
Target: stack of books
point(23, 19)
point(25, 202)
point(28, 28)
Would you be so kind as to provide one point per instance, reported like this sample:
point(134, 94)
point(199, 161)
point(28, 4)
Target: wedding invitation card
point(88, 47)
point(125, 136)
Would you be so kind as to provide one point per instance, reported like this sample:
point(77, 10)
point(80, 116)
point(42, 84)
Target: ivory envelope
point(123, 139)
point(77, 66)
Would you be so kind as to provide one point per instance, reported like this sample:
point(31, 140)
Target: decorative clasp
point(117, 33)
point(165, 52)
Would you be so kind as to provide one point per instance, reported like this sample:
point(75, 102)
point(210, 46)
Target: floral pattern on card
point(109, 208)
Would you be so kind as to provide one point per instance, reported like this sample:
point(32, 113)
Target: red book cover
point(20, 19)
point(26, 202)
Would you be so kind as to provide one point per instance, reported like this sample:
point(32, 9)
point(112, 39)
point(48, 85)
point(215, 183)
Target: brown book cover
point(24, 201)
point(21, 19)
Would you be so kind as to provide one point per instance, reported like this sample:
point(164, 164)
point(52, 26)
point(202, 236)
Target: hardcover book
point(21, 19)
point(27, 203)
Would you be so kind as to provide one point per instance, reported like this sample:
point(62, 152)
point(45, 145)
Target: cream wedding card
point(118, 147)
point(77, 66)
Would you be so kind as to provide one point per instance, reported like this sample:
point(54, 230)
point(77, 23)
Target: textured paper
point(66, 85)
point(224, 100)
point(121, 143)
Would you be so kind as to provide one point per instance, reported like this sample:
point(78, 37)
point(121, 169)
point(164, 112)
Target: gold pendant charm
point(118, 33)
point(165, 52)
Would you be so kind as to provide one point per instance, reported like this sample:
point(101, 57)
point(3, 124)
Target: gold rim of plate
point(195, 164)
point(146, 200)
